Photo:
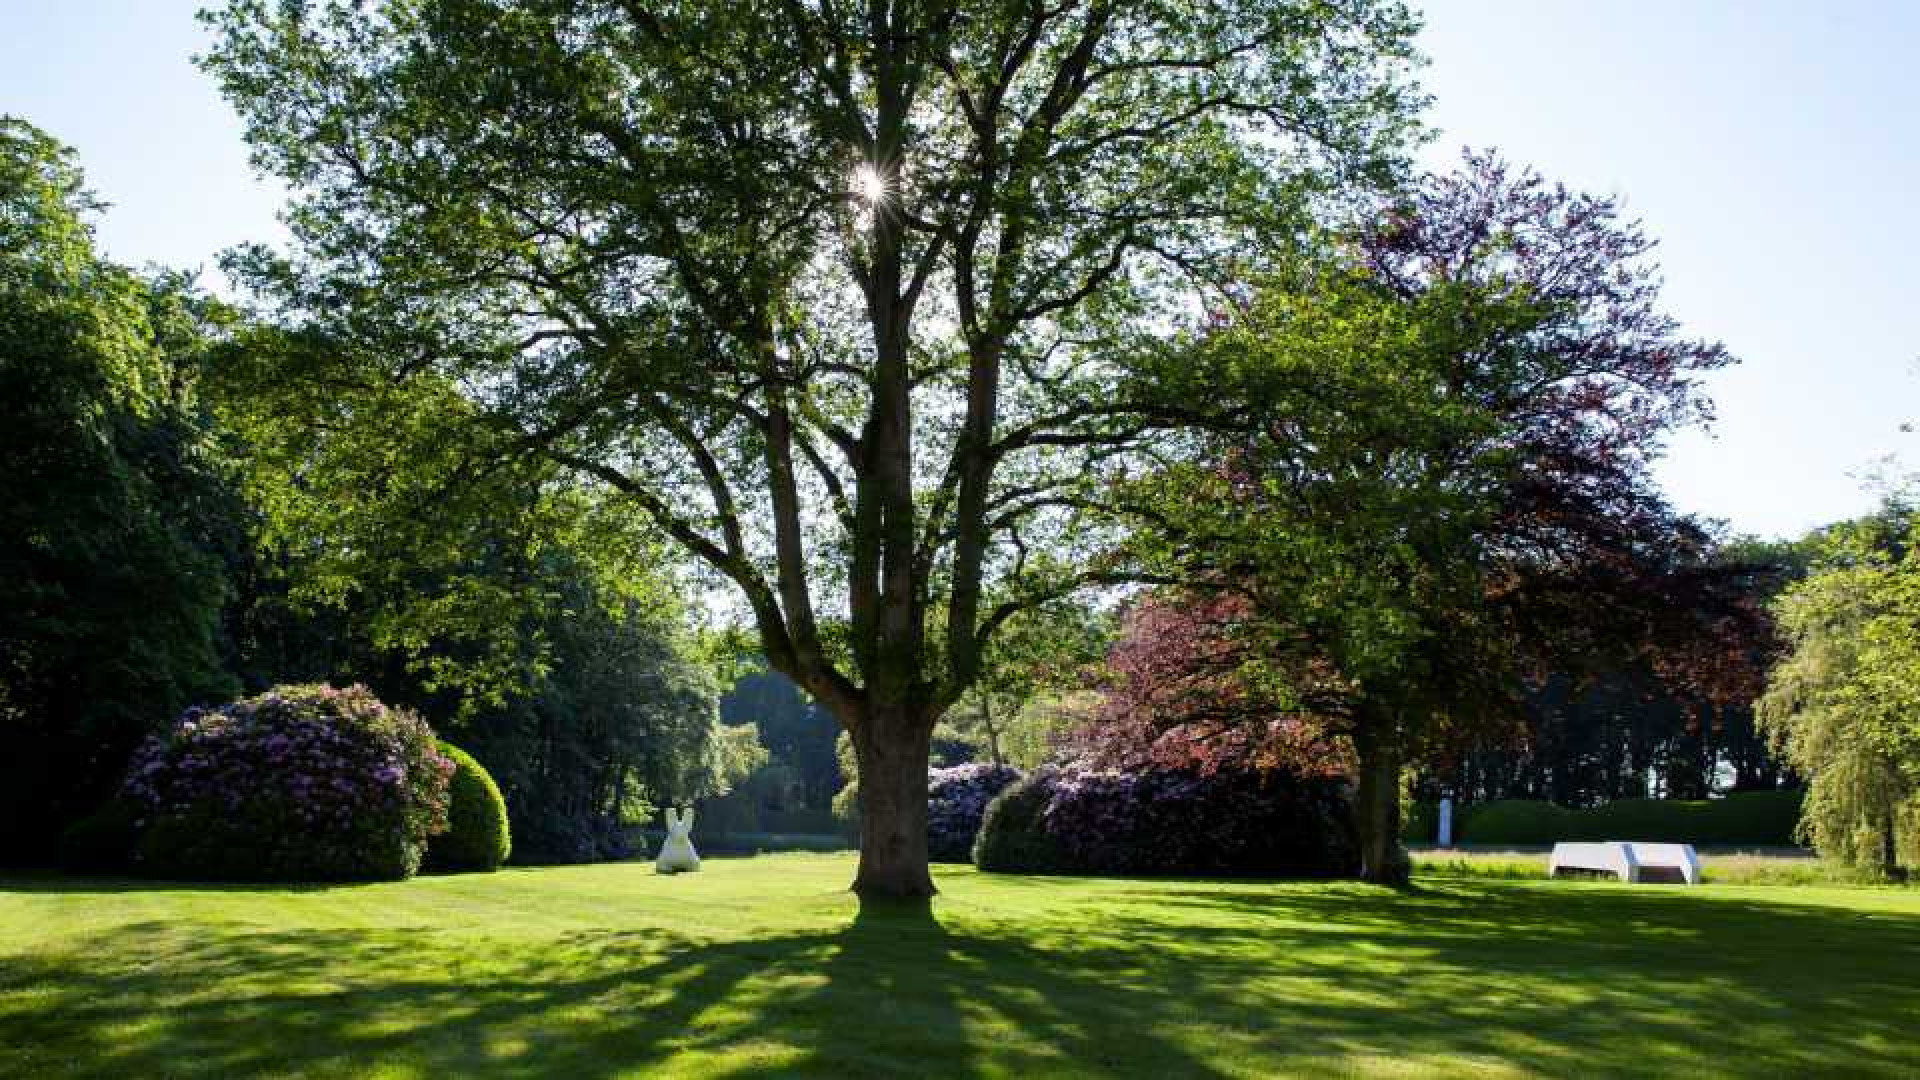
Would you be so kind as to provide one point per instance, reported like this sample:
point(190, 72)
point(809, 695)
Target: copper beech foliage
point(1183, 692)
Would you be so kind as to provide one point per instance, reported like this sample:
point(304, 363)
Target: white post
point(1446, 823)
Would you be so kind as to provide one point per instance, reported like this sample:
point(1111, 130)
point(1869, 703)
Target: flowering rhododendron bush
point(1078, 819)
point(303, 783)
point(957, 800)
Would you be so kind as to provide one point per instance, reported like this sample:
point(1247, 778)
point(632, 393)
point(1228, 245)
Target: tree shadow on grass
point(888, 994)
point(1176, 980)
point(52, 881)
point(1546, 978)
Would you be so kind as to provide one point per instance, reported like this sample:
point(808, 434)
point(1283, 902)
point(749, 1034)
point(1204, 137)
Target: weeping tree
point(839, 297)
point(1841, 703)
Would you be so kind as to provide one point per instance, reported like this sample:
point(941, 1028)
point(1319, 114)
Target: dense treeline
point(117, 520)
point(1618, 737)
point(152, 556)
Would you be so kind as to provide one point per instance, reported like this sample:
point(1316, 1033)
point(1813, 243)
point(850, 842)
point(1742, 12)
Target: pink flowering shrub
point(303, 783)
point(957, 799)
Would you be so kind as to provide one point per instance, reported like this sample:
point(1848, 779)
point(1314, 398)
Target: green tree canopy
point(838, 297)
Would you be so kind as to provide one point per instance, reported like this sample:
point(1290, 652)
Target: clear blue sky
point(1773, 148)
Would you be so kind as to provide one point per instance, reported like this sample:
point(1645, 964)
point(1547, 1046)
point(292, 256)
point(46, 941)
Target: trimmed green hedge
point(477, 837)
point(1013, 838)
point(1516, 821)
point(1755, 818)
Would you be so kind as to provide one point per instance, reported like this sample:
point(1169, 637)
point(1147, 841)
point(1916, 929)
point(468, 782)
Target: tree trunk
point(892, 753)
point(1377, 808)
point(993, 735)
point(1890, 852)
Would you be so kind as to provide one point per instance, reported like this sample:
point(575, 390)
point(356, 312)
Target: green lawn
point(759, 967)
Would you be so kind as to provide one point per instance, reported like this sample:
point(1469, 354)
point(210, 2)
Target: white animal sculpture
point(676, 852)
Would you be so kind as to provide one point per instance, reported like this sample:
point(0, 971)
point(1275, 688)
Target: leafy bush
point(1077, 820)
point(1760, 818)
point(477, 836)
point(1420, 823)
point(1013, 835)
point(103, 841)
point(303, 783)
point(957, 800)
point(581, 837)
point(1753, 818)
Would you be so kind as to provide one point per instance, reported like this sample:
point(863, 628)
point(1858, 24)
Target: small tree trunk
point(1377, 809)
point(993, 735)
point(1890, 852)
point(892, 752)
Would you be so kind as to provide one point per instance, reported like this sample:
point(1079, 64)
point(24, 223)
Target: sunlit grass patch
point(765, 967)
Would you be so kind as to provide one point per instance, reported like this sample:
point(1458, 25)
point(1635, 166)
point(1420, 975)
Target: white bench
point(1631, 861)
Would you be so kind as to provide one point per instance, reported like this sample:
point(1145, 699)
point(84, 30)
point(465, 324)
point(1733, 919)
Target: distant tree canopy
point(116, 502)
point(797, 732)
point(1675, 722)
point(1843, 705)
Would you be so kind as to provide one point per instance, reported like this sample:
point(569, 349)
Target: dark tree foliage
point(1676, 722)
point(1620, 736)
point(1182, 690)
point(114, 503)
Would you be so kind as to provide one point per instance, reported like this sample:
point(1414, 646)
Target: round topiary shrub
point(957, 800)
point(1230, 822)
point(477, 837)
point(1013, 836)
point(303, 783)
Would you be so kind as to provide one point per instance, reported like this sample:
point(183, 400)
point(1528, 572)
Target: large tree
point(838, 296)
point(1426, 473)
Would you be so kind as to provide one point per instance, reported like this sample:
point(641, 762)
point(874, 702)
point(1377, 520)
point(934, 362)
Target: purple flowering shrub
point(957, 799)
point(303, 783)
point(1075, 819)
